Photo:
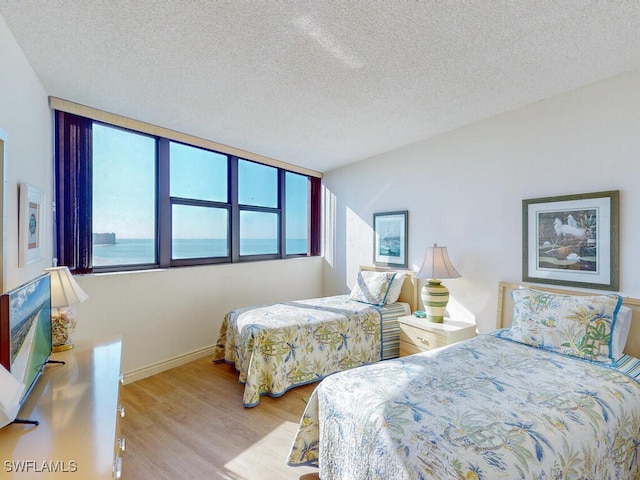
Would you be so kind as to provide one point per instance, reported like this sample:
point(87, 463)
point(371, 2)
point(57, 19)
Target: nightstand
point(419, 335)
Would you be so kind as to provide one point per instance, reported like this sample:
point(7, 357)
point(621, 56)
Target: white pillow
point(372, 287)
point(396, 287)
point(621, 332)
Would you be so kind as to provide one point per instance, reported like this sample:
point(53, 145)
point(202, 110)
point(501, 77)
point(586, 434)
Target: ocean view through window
point(124, 200)
point(155, 203)
point(129, 251)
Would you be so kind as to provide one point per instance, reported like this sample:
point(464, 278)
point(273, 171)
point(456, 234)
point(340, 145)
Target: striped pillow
point(630, 366)
point(372, 287)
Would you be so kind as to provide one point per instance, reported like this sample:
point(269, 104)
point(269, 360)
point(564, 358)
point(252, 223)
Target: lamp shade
point(65, 291)
point(437, 264)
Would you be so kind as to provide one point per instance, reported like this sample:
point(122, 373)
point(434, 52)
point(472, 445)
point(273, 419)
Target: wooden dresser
point(77, 405)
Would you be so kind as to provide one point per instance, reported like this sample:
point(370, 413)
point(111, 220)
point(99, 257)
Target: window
point(257, 184)
point(199, 232)
point(258, 232)
point(198, 188)
point(197, 173)
point(259, 212)
point(124, 197)
point(129, 200)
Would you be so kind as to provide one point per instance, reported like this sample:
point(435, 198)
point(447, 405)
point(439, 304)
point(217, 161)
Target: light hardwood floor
point(189, 423)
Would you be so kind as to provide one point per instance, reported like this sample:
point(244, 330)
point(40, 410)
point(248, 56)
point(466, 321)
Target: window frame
point(242, 207)
point(165, 234)
point(73, 152)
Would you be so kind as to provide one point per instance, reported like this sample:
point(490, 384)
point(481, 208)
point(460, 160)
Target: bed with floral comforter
point(554, 396)
point(276, 347)
point(488, 408)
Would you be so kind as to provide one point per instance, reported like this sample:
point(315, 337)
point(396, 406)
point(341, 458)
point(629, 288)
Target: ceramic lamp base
point(61, 348)
point(435, 297)
point(63, 324)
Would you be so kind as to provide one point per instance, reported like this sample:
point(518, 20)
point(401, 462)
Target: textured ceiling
point(320, 83)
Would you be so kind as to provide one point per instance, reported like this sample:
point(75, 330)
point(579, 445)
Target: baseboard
point(159, 367)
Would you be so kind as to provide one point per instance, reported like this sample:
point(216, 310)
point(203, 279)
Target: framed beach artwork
point(390, 238)
point(572, 240)
point(30, 225)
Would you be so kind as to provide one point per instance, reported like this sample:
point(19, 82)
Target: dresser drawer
point(422, 339)
point(407, 348)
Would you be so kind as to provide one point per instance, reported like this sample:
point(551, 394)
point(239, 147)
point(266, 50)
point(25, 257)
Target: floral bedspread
point(487, 408)
point(280, 346)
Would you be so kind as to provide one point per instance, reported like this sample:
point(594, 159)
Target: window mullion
point(163, 204)
point(282, 197)
point(235, 210)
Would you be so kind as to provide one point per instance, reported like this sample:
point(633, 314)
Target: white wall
point(26, 119)
point(464, 189)
point(164, 314)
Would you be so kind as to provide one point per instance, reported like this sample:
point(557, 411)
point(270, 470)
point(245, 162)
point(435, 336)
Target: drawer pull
point(424, 342)
point(121, 443)
point(121, 410)
point(117, 468)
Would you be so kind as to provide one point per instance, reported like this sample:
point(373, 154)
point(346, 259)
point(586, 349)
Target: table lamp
point(435, 296)
point(64, 293)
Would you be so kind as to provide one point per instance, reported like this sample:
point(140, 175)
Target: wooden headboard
point(410, 292)
point(505, 310)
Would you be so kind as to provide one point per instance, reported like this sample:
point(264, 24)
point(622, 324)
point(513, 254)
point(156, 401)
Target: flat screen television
point(25, 331)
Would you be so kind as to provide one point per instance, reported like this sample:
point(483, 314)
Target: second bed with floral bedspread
point(280, 346)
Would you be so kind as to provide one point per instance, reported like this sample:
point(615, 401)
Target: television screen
point(25, 330)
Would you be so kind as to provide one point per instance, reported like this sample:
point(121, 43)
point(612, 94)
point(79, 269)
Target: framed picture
point(390, 239)
point(31, 225)
point(572, 240)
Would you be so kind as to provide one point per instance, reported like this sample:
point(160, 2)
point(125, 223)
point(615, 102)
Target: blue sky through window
point(124, 175)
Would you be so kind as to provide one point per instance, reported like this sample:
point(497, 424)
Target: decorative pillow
point(576, 325)
point(621, 329)
point(396, 287)
point(372, 287)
